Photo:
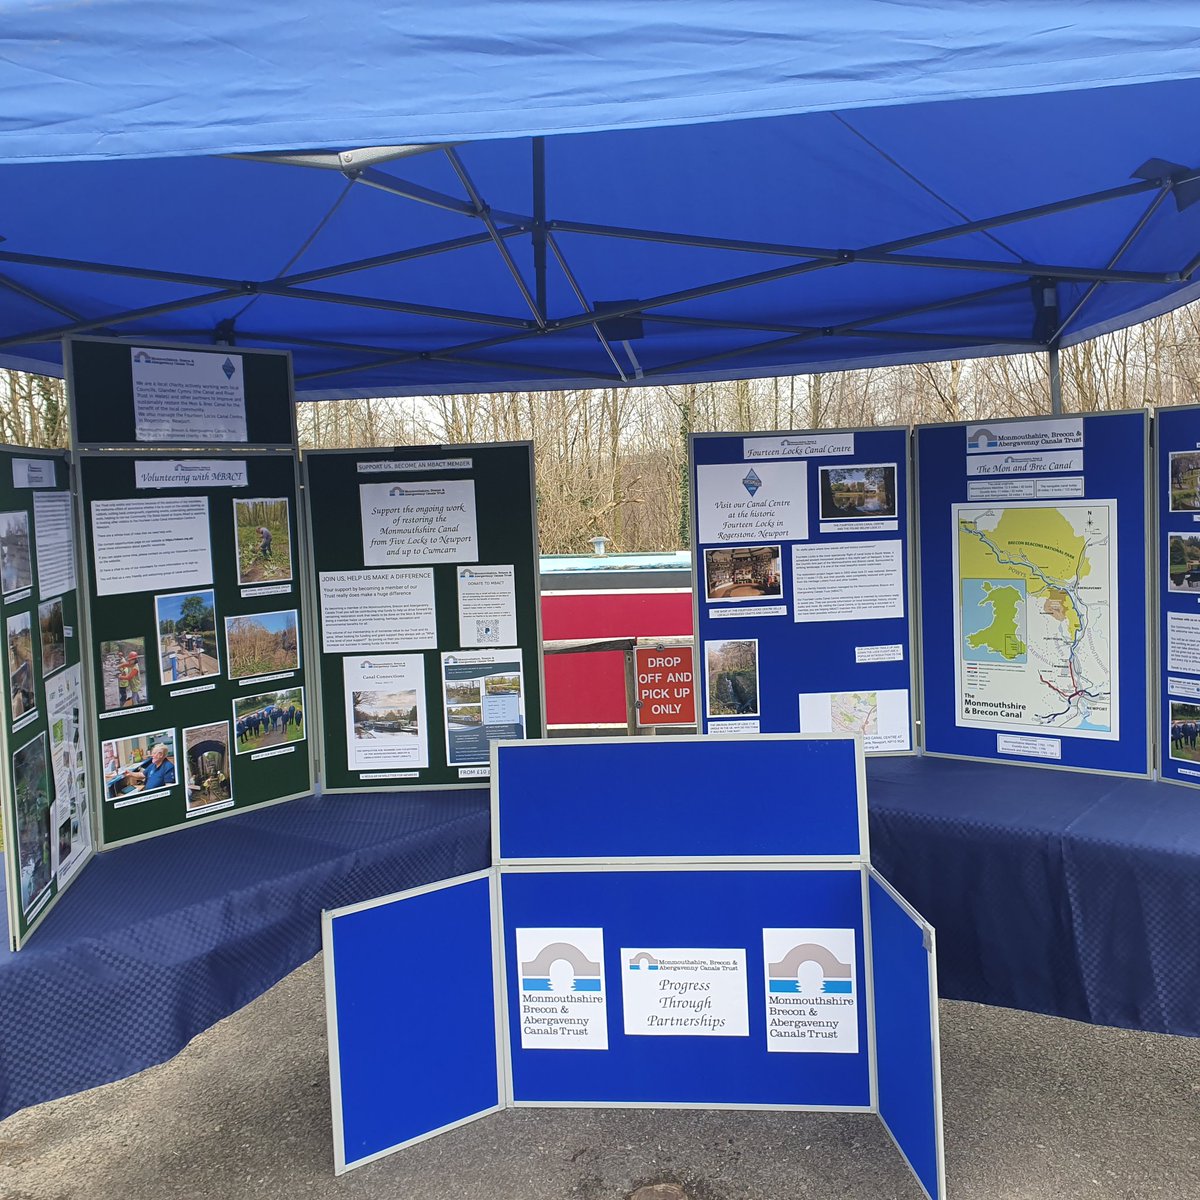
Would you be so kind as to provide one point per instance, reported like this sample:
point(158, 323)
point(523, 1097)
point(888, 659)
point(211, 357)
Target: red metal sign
point(666, 691)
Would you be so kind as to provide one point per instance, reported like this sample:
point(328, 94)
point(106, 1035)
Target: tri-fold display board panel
point(802, 589)
point(44, 735)
point(1177, 447)
point(426, 579)
point(624, 952)
point(1035, 591)
point(195, 573)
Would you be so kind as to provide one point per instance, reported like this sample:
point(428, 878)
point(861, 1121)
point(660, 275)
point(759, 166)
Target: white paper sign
point(33, 472)
point(151, 545)
point(363, 611)
point(752, 502)
point(418, 521)
point(387, 466)
point(1003, 436)
point(691, 993)
point(988, 465)
point(487, 606)
point(848, 581)
point(799, 445)
point(72, 826)
point(190, 472)
point(185, 394)
point(54, 535)
point(563, 999)
point(811, 990)
point(386, 723)
point(893, 652)
point(1029, 747)
point(1183, 642)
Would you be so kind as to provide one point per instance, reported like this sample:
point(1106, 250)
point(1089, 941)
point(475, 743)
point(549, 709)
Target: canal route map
point(1035, 616)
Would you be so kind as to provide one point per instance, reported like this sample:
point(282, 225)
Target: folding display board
point(801, 584)
point(1034, 591)
point(779, 982)
point(45, 780)
point(427, 1015)
point(426, 580)
point(193, 570)
point(1177, 485)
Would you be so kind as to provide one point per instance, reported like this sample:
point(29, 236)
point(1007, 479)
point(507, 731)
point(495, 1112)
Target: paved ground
point(1036, 1108)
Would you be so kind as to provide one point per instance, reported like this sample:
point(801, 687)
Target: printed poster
point(483, 694)
point(418, 521)
point(561, 990)
point(386, 723)
point(690, 993)
point(811, 991)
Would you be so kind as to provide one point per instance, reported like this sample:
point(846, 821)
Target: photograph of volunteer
point(139, 764)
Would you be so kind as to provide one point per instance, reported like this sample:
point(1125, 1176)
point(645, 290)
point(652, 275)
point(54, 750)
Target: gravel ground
point(1036, 1108)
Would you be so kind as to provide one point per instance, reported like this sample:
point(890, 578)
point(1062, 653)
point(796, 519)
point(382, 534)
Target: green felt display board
point(502, 475)
point(273, 763)
point(47, 827)
point(100, 375)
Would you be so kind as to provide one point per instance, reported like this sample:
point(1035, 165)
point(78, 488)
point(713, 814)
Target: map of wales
point(1034, 616)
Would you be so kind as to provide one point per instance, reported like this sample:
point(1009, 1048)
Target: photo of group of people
point(1185, 731)
point(268, 719)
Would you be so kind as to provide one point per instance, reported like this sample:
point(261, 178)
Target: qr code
point(486, 632)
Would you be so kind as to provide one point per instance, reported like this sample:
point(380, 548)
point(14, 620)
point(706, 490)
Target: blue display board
point(691, 798)
point(1177, 446)
point(800, 550)
point(403, 1063)
point(1033, 546)
point(686, 916)
point(907, 1066)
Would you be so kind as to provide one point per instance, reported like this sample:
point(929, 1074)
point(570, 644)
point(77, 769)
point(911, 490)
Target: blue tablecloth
point(1058, 892)
point(158, 940)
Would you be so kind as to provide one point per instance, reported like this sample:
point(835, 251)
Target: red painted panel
point(589, 689)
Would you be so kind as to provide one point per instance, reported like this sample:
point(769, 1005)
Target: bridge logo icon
point(982, 439)
point(643, 961)
point(836, 977)
point(560, 967)
point(751, 481)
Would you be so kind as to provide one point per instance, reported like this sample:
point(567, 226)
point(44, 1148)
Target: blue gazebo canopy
point(491, 194)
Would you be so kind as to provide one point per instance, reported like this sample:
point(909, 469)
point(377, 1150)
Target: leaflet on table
point(484, 701)
point(418, 521)
point(848, 581)
point(1034, 608)
point(881, 716)
point(71, 822)
point(487, 606)
point(752, 502)
point(153, 544)
point(386, 721)
point(363, 611)
point(54, 537)
point(188, 394)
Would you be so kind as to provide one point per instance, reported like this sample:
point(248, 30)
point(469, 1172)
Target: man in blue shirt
point(154, 772)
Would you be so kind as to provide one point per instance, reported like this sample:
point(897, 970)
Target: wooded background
point(613, 461)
